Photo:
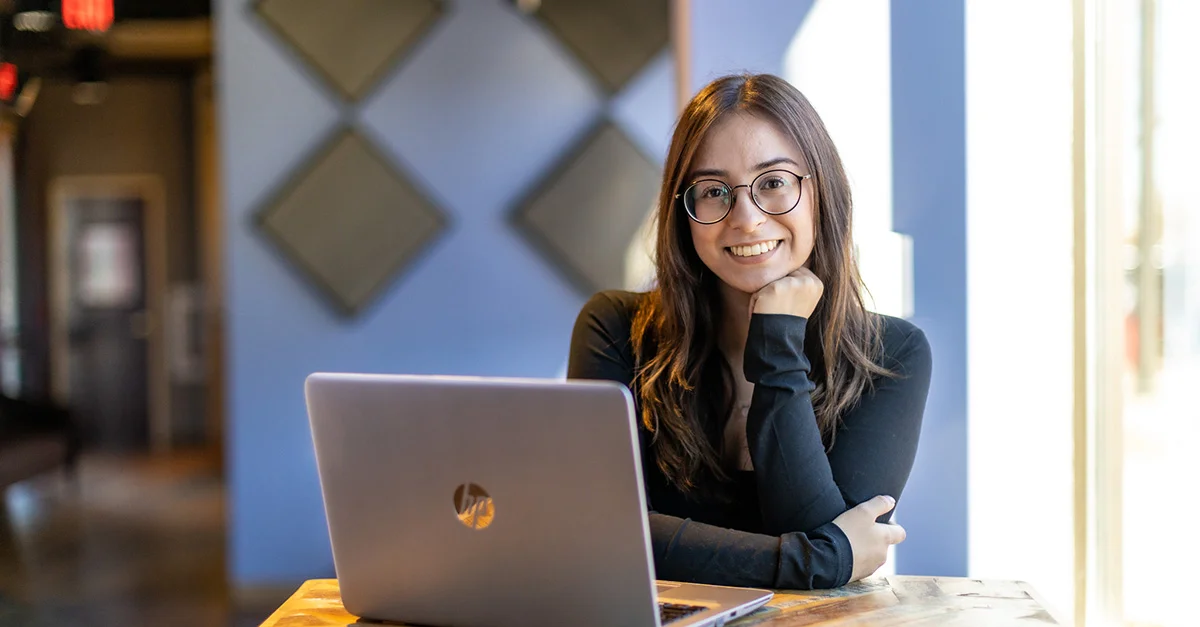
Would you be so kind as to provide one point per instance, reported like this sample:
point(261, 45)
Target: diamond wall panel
point(614, 39)
point(586, 213)
point(350, 221)
point(350, 43)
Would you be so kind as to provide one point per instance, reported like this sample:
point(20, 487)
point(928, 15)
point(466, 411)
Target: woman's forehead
point(738, 141)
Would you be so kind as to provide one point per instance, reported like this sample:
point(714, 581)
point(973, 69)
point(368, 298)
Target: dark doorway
point(107, 321)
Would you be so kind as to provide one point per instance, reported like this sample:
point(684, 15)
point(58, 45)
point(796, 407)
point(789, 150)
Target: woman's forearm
point(685, 550)
point(797, 491)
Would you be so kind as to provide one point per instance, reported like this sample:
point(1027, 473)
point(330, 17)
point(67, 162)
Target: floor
point(127, 541)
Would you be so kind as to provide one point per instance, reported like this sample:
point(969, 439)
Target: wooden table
point(908, 601)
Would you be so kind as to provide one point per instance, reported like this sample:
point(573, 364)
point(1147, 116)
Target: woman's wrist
point(775, 347)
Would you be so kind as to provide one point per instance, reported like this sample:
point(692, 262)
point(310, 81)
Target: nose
point(744, 215)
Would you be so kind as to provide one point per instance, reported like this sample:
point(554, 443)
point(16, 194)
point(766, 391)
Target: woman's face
point(749, 248)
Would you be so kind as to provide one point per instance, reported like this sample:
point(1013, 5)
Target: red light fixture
point(94, 15)
point(8, 81)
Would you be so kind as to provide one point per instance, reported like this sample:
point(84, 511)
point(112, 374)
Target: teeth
point(755, 250)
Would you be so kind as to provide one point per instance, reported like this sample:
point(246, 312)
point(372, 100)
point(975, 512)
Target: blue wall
point(730, 36)
point(930, 204)
point(483, 107)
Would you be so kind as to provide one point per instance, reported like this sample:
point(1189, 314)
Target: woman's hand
point(869, 540)
point(796, 294)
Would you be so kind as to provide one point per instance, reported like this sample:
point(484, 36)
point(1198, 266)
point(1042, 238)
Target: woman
point(779, 418)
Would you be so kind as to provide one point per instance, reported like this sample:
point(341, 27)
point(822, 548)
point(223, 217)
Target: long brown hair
point(684, 385)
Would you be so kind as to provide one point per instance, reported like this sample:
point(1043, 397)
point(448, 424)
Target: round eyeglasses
point(775, 192)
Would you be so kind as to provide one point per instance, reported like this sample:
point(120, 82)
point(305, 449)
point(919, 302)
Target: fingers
point(893, 534)
point(803, 272)
point(878, 506)
point(797, 294)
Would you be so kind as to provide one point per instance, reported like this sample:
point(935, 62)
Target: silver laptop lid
point(483, 502)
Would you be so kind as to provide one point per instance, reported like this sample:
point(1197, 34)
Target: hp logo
point(475, 508)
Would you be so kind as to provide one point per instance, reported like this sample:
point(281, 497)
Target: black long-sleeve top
point(777, 529)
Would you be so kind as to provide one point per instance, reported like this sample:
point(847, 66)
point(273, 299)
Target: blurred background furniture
point(35, 437)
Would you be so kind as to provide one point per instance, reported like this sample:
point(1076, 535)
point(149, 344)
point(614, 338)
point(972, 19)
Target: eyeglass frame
point(733, 194)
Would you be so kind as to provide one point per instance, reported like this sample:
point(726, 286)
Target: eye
point(772, 182)
point(711, 191)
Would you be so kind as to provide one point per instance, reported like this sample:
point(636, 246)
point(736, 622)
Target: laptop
point(492, 502)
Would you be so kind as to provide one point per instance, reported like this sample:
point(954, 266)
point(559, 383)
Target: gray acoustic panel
point(586, 213)
point(350, 222)
point(351, 43)
point(613, 38)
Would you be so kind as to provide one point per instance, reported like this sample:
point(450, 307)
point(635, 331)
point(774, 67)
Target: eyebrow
point(697, 174)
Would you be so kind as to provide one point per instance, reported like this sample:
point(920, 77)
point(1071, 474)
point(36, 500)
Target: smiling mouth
point(753, 250)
